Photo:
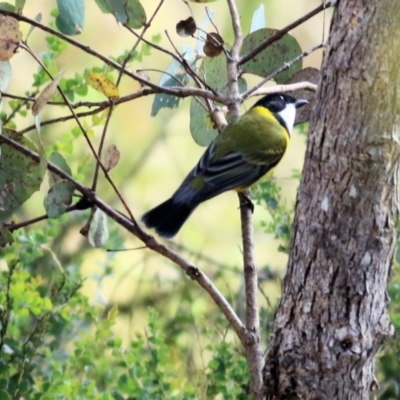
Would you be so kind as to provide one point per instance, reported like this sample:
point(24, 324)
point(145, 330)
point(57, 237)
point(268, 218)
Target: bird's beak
point(300, 103)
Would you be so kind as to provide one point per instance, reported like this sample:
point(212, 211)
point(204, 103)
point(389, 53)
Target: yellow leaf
point(10, 36)
point(103, 85)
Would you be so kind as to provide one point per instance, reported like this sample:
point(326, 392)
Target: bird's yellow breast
point(268, 115)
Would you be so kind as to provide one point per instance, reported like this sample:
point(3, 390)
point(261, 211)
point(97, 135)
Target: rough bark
point(332, 317)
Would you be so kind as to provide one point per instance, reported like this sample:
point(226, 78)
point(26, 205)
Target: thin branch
point(131, 226)
point(252, 346)
point(277, 35)
point(139, 39)
point(233, 61)
point(291, 87)
point(100, 149)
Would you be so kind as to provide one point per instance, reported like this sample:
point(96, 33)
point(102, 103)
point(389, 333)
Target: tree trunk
point(332, 317)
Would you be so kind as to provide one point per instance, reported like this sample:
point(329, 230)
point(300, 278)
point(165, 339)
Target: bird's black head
point(283, 107)
point(277, 102)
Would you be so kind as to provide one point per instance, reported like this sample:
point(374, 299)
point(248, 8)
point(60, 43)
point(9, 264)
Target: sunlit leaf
point(58, 198)
point(102, 84)
point(10, 36)
point(273, 57)
point(71, 18)
point(20, 176)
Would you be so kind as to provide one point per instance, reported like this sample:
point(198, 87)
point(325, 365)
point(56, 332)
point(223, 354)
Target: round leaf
point(71, 18)
point(273, 57)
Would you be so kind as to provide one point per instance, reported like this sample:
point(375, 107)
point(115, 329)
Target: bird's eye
point(281, 98)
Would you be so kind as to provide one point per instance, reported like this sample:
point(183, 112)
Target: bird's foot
point(245, 202)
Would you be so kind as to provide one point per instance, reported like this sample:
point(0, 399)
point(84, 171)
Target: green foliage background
point(79, 323)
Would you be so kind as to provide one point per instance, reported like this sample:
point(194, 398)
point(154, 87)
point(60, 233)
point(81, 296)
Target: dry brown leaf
point(214, 45)
point(111, 158)
point(10, 36)
point(46, 94)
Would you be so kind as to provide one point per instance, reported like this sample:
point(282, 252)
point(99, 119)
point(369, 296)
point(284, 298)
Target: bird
point(244, 152)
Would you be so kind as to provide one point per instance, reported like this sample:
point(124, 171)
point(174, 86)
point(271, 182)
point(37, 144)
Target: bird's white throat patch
point(288, 114)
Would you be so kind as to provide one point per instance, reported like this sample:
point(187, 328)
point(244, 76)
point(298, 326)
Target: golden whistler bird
point(245, 151)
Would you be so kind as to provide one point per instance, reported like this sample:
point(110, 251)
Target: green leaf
point(201, 128)
point(57, 159)
point(273, 57)
point(127, 12)
point(162, 100)
point(175, 75)
point(4, 395)
point(20, 176)
point(7, 6)
point(71, 18)
point(135, 13)
point(6, 238)
point(58, 198)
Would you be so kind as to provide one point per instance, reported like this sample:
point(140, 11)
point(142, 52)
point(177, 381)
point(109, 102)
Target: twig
point(277, 35)
point(291, 87)
point(100, 149)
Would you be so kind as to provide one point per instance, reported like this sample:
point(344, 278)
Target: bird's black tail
point(168, 217)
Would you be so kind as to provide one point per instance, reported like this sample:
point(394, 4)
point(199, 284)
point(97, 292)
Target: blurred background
point(156, 154)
